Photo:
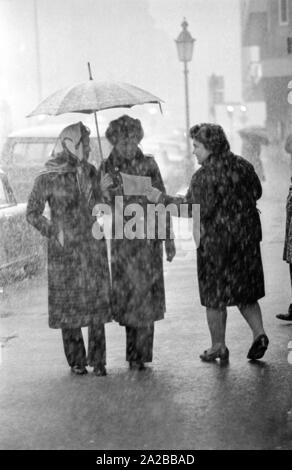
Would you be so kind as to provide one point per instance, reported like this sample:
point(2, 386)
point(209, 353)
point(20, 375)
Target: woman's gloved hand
point(153, 194)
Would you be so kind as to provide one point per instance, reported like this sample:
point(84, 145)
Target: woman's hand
point(170, 249)
point(153, 194)
point(105, 182)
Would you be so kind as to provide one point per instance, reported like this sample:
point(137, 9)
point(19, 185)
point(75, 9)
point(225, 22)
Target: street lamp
point(185, 45)
point(37, 45)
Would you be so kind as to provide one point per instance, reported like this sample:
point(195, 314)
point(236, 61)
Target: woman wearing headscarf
point(229, 263)
point(78, 272)
point(138, 297)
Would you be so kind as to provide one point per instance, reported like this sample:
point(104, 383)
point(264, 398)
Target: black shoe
point(212, 356)
point(285, 316)
point(100, 371)
point(258, 347)
point(137, 365)
point(79, 370)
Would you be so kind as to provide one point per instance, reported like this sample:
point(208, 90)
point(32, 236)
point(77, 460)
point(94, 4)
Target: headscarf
point(68, 151)
point(70, 139)
point(68, 156)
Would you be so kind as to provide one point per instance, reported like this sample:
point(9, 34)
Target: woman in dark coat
point(287, 254)
point(78, 271)
point(230, 270)
point(138, 298)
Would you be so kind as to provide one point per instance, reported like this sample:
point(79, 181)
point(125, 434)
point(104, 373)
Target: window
point(26, 154)
point(283, 12)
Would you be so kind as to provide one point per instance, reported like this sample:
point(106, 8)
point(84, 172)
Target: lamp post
point(185, 45)
point(37, 45)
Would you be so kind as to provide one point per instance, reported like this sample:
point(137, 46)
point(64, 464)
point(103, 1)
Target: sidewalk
point(179, 402)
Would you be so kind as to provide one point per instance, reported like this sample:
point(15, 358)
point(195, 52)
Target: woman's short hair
point(212, 136)
point(124, 127)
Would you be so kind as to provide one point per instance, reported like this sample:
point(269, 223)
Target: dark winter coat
point(287, 255)
point(78, 273)
point(138, 296)
point(230, 270)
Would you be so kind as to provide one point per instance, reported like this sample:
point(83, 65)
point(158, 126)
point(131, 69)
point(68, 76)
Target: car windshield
point(32, 153)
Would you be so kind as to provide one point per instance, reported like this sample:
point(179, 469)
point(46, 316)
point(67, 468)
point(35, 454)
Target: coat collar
point(214, 159)
point(118, 161)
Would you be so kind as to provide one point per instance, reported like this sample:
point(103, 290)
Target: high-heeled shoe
point(223, 355)
point(258, 348)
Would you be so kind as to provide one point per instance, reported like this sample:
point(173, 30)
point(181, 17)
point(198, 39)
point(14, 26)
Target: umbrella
point(255, 132)
point(91, 96)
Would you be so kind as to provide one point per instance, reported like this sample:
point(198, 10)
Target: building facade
point(267, 60)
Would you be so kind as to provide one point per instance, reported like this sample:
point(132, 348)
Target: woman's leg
point(217, 326)
point(131, 351)
point(139, 347)
point(253, 316)
point(144, 343)
point(74, 347)
point(96, 346)
point(290, 306)
point(287, 316)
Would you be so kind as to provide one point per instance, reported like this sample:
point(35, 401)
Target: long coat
point(229, 264)
point(287, 254)
point(78, 273)
point(138, 296)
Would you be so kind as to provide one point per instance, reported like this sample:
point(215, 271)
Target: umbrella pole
point(98, 138)
point(96, 123)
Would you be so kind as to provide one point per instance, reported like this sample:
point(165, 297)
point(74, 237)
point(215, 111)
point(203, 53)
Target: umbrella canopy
point(255, 132)
point(92, 96)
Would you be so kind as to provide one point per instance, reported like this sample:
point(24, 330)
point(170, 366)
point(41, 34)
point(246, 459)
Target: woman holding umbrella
point(138, 298)
point(230, 270)
point(78, 273)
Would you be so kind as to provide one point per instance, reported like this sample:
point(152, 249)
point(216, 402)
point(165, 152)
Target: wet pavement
point(178, 402)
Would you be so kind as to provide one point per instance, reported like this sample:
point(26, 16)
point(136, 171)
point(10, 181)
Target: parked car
point(22, 249)
point(25, 152)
